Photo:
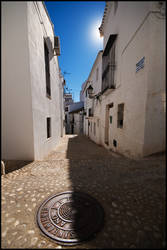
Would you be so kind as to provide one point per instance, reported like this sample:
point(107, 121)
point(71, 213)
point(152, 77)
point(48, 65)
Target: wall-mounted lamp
point(90, 91)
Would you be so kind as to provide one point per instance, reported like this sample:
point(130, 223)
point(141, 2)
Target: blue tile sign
point(140, 64)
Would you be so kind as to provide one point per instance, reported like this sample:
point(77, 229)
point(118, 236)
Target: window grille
point(140, 64)
point(108, 64)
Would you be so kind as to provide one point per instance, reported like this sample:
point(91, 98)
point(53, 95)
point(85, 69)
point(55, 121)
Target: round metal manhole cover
point(70, 217)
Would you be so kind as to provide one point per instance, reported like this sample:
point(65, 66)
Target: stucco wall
point(17, 125)
point(142, 92)
point(155, 119)
point(43, 107)
point(25, 106)
point(91, 103)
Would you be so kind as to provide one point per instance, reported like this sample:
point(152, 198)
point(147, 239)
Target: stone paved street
point(132, 193)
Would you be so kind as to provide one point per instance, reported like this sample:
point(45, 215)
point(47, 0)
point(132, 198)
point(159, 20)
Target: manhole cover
point(70, 217)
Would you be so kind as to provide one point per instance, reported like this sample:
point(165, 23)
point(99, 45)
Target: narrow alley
point(131, 192)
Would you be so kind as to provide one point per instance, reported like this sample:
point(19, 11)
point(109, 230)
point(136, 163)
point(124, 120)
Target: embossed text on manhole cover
point(70, 217)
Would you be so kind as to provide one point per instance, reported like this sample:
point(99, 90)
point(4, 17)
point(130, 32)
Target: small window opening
point(111, 105)
point(120, 115)
point(48, 119)
point(47, 70)
point(90, 112)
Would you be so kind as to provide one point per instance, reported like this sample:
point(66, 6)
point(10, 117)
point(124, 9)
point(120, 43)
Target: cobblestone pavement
point(132, 193)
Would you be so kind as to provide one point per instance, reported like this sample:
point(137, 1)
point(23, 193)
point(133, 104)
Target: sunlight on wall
point(94, 34)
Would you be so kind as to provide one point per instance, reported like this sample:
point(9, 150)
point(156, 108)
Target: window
point(110, 119)
point(66, 109)
point(140, 64)
point(90, 112)
point(47, 70)
point(91, 126)
point(48, 120)
point(120, 115)
point(108, 64)
point(111, 105)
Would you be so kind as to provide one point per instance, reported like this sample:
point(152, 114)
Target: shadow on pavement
point(12, 165)
point(120, 185)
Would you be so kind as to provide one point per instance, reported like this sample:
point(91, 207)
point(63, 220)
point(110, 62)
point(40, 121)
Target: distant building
point(67, 101)
point(131, 101)
point(76, 118)
point(32, 89)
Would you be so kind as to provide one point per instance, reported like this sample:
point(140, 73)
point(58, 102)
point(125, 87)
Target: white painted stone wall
point(62, 112)
point(25, 26)
point(155, 120)
point(17, 118)
point(140, 34)
point(43, 107)
point(95, 82)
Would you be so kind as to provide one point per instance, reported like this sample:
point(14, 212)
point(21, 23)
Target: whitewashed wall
point(140, 34)
point(43, 107)
point(25, 105)
point(94, 103)
point(17, 118)
point(155, 120)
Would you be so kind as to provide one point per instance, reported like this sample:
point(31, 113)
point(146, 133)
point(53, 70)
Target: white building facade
point(92, 106)
point(68, 100)
point(132, 102)
point(32, 89)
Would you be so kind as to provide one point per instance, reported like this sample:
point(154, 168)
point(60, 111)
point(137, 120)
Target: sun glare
point(94, 33)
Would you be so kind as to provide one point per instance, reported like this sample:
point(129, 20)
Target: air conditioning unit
point(57, 45)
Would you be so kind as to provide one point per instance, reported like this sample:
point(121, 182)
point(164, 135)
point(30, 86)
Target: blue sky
point(76, 23)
